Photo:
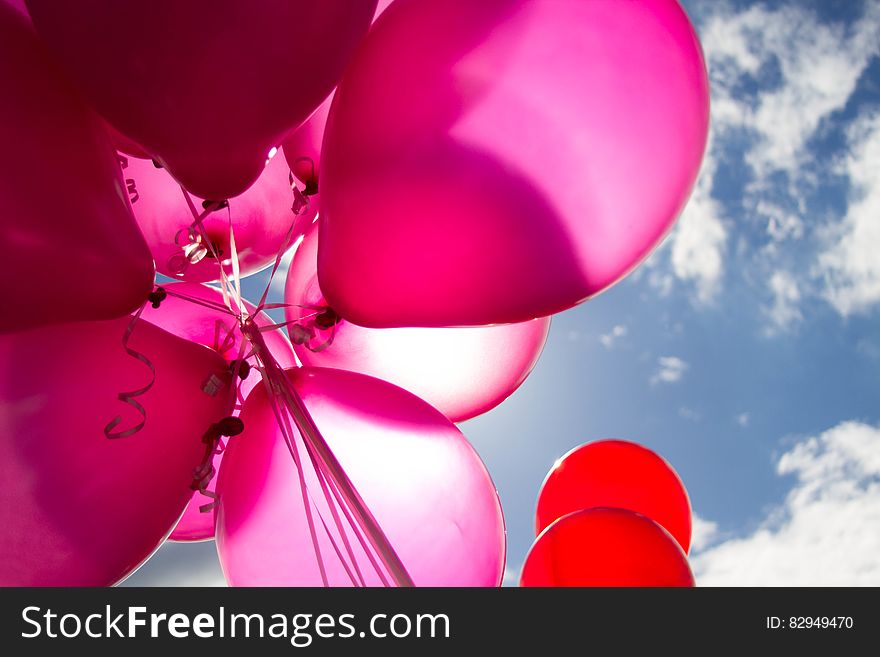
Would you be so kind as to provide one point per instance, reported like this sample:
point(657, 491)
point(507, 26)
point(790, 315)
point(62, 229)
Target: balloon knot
point(327, 319)
point(244, 368)
point(212, 206)
point(311, 188)
point(228, 426)
point(157, 296)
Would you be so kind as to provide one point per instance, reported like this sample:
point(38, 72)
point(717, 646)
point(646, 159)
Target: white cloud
point(827, 531)
point(784, 313)
point(850, 264)
point(817, 66)
point(781, 224)
point(699, 239)
point(670, 370)
point(703, 533)
point(688, 413)
point(608, 339)
point(743, 419)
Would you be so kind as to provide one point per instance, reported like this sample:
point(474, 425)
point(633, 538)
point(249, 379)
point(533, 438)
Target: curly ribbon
point(205, 471)
point(129, 396)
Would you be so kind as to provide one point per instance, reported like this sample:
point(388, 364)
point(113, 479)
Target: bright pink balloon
point(218, 331)
point(78, 508)
point(491, 162)
point(63, 208)
point(606, 547)
point(261, 217)
point(621, 474)
point(462, 372)
point(418, 475)
point(207, 87)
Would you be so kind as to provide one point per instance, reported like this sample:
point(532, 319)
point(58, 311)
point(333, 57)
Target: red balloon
point(207, 87)
point(63, 207)
point(606, 547)
point(616, 473)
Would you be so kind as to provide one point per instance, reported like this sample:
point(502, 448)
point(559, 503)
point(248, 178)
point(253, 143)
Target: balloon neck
point(157, 296)
point(327, 319)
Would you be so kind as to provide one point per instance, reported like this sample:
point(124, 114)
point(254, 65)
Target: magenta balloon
point(218, 331)
point(302, 149)
point(124, 144)
point(462, 372)
point(418, 475)
point(491, 162)
point(261, 218)
point(62, 204)
point(207, 87)
point(78, 508)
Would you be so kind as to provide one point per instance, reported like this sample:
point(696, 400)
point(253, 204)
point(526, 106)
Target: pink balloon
point(418, 475)
point(218, 331)
point(208, 88)
point(491, 162)
point(462, 372)
point(62, 202)
point(302, 149)
point(124, 144)
point(261, 218)
point(78, 508)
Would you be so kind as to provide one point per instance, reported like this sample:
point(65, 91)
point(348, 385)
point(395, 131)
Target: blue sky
point(747, 349)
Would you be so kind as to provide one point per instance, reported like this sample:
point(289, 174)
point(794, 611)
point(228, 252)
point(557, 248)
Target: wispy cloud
point(743, 419)
point(826, 531)
point(850, 264)
point(699, 240)
point(608, 339)
point(784, 313)
point(670, 369)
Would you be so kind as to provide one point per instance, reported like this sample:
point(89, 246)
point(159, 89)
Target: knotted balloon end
point(244, 368)
point(157, 296)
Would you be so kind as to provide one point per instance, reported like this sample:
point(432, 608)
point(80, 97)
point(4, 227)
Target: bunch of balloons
point(448, 173)
point(611, 513)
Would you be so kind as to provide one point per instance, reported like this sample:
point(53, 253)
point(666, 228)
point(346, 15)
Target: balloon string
point(300, 203)
point(283, 420)
point(289, 439)
point(322, 480)
point(129, 396)
point(225, 287)
point(200, 302)
point(311, 435)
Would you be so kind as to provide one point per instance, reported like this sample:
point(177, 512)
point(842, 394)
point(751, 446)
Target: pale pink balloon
point(218, 331)
point(78, 508)
point(417, 474)
point(63, 207)
point(463, 372)
point(207, 87)
point(490, 162)
point(261, 218)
